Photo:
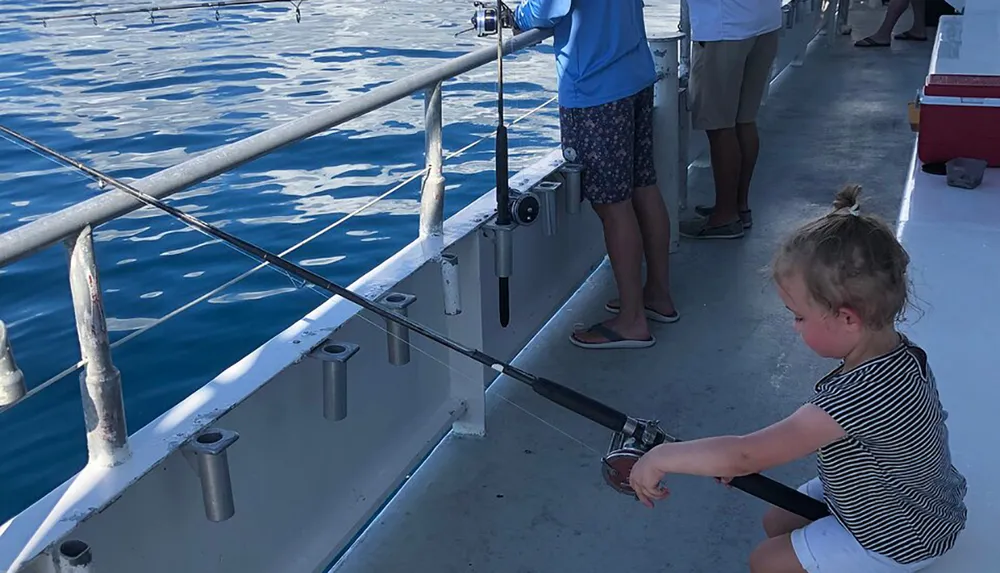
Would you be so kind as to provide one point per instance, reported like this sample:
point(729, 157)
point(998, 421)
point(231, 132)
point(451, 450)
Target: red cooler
point(960, 101)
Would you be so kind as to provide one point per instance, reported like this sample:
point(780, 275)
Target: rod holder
point(503, 248)
point(335, 356)
point(788, 13)
point(573, 173)
point(546, 190)
point(12, 387)
point(73, 556)
point(211, 463)
point(449, 280)
point(398, 336)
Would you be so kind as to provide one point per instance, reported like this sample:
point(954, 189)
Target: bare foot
point(662, 304)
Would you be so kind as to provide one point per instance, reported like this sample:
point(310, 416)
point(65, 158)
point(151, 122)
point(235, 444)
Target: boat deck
point(530, 497)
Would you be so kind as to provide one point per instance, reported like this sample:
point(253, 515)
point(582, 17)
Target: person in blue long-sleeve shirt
point(606, 76)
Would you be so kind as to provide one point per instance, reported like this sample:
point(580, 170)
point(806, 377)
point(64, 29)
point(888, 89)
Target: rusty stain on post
point(100, 383)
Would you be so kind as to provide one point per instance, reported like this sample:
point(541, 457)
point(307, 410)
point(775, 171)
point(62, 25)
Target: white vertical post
point(666, 128)
point(843, 17)
point(684, 116)
point(469, 379)
point(100, 382)
point(432, 187)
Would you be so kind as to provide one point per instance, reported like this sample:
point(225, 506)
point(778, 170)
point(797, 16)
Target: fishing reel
point(627, 446)
point(524, 206)
point(488, 19)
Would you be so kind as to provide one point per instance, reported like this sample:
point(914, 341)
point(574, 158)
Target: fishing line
point(465, 375)
point(138, 332)
point(632, 437)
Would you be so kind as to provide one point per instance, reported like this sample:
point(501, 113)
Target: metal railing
point(101, 390)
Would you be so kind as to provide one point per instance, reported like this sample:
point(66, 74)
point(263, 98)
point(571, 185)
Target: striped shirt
point(890, 480)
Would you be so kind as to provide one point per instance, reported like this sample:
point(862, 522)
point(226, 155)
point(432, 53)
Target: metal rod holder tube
point(788, 13)
point(450, 284)
point(573, 173)
point(100, 382)
point(432, 187)
point(209, 450)
point(73, 556)
point(546, 191)
point(12, 387)
point(335, 356)
point(503, 260)
point(398, 336)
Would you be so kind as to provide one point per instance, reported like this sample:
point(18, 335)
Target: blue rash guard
point(602, 54)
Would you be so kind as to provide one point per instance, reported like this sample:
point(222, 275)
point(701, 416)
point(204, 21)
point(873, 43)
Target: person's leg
point(756, 77)
point(716, 79)
point(727, 162)
point(651, 213)
point(895, 10)
point(746, 134)
point(918, 30)
point(776, 555)
point(607, 183)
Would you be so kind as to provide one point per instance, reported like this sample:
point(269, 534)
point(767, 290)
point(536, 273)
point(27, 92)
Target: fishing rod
point(632, 437)
point(151, 10)
point(520, 208)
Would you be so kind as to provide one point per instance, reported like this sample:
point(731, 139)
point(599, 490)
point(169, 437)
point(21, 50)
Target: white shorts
point(825, 546)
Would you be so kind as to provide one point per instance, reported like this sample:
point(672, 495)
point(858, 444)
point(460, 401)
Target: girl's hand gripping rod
point(633, 437)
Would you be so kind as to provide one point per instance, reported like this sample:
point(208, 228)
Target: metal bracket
point(335, 356)
point(573, 173)
point(206, 452)
point(450, 284)
point(503, 242)
point(398, 335)
point(550, 216)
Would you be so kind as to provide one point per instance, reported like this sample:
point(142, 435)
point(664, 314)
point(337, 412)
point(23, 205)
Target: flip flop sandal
point(650, 314)
point(612, 339)
point(871, 43)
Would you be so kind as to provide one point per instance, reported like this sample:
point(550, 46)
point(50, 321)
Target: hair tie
point(854, 209)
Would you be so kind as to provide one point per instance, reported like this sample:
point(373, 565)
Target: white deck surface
point(529, 497)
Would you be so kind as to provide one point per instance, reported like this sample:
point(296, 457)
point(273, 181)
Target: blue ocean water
point(131, 97)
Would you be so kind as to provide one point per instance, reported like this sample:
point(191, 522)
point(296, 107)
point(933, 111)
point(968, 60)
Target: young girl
point(885, 471)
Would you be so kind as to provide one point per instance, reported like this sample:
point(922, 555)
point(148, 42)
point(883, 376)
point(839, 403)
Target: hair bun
point(847, 198)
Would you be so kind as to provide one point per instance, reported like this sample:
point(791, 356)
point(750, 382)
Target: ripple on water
point(131, 98)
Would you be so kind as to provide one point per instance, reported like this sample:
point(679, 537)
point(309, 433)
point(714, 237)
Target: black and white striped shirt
point(890, 481)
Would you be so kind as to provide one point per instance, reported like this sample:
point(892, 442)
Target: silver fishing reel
point(627, 446)
point(488, 20)
point(525, 206)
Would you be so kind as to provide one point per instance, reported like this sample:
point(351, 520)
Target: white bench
point(953, 237)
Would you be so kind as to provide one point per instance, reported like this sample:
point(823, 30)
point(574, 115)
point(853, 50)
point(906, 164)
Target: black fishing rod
point(152, 10)
point(502, 165)
point(633, 437)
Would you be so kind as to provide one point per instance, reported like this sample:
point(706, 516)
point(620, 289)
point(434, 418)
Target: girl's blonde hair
point(849, 259)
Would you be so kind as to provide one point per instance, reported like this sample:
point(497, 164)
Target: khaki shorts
point(728, 79)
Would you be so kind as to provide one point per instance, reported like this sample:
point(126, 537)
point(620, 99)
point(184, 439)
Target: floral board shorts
point(614, 144)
